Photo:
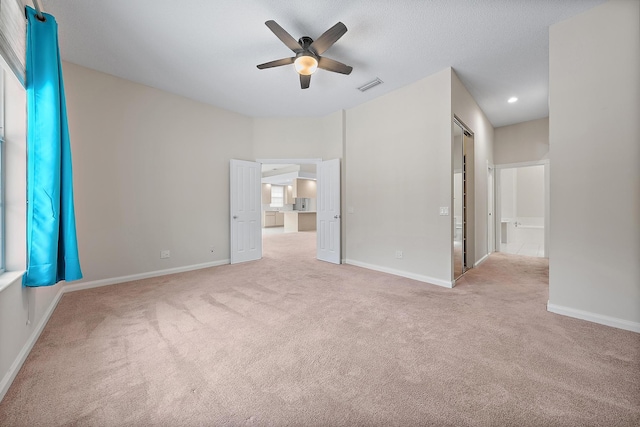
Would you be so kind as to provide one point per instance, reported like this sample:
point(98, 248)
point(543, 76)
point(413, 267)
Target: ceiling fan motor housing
point(305, 42)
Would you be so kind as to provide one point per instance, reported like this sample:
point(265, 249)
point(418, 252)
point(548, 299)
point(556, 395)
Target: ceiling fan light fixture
point(308, 52)
point(305, 65)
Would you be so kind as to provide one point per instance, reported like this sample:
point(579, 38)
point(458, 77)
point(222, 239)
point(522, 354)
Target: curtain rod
point(36, 4)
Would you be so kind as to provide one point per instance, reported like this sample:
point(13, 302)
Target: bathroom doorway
point(522, 201)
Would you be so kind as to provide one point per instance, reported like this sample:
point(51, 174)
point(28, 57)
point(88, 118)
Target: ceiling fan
point(308, 51)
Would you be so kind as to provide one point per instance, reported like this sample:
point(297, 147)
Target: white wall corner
point(594, 317)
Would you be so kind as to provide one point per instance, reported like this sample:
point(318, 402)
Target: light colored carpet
point(289, 340)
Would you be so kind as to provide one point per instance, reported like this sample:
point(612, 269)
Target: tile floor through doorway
point(526, 249)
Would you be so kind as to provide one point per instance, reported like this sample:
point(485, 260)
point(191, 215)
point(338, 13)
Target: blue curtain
point(52, 246)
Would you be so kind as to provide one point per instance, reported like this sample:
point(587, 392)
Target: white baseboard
point(408, 275)
point(26, 349)
point(594, 317)
point(481, 260)
point(139, 276)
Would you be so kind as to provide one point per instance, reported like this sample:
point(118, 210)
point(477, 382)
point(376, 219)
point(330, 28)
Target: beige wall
point(145, 160)
point(303, 138)
point(530, 184)
point(522, 142)
point(398, 153)
point(298, 137)
point(595, 179)
point(466, 109)
point(151, 172)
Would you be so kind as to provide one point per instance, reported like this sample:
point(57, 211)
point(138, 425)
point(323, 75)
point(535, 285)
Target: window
point(1, 169)
point(13, 42)
point(277, 196)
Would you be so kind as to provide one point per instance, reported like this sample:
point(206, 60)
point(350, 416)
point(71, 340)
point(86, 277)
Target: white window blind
point(13, 36)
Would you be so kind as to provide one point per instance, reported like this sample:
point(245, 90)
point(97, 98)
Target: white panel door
point(245, 195)
point(328, 211)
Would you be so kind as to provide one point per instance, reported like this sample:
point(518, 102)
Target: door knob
point(336, 216)
point(235, 217)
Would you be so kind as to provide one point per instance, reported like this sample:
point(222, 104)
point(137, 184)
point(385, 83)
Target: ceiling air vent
point(369, 85)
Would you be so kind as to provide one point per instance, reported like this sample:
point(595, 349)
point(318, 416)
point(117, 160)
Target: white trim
point(7, 278)
point(26, 349)
point(481, 260)
point(522, 164)
point(124, 279)
point(418, 277)
point(594, 317)
point(289, 161)
point(491, 208)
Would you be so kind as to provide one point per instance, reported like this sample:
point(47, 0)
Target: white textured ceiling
point(207, 50)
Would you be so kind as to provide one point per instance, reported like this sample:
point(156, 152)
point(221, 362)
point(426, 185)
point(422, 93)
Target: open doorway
point(522, 200)
point(247, 215)
point(289, 194)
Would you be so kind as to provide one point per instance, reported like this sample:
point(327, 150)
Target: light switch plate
point(350, 209)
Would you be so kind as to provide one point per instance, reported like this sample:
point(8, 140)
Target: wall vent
point(371, 84)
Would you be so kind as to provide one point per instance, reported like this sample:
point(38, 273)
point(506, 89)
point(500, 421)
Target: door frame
point(314, 161)
point(547, 198)
point(468, 172)
point(491, 208)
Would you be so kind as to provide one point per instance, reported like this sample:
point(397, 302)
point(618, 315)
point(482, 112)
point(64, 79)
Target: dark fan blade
point(304, 81)
point(326, 40)
point(285, 37)
point(277, 63)
point(335, 66)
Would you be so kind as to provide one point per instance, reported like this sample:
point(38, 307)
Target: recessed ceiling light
point(512, 100)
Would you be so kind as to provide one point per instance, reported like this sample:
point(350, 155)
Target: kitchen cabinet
point(272, 219)
point(266, 194)
point(268, 219)
point(304, 188)
point(289, 199)
point(299, 221)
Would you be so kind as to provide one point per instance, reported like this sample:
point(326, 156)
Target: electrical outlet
point(398, 254)
point(165, 254)
point(444, 211)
